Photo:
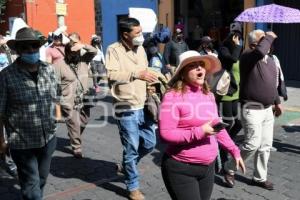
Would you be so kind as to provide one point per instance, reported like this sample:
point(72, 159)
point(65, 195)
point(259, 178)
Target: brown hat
point(25, 35)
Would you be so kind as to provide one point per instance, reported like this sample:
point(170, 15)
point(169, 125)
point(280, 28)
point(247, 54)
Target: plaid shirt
point(27, 107)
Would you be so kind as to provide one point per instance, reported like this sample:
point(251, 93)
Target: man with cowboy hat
point(26, 109)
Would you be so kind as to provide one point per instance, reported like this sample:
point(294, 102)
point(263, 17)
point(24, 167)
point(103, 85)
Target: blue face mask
point(3, 58)
point(30, 58)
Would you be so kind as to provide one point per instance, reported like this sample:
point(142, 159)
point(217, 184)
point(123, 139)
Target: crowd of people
point(46, 80)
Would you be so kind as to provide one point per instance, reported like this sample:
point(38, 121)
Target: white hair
point(255, 35)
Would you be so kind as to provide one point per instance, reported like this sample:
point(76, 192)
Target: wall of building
point(41, 15)
point(14, 8)
point(110, 11)
point(98, 17)
point(166, 13)
point(81, 18)
point(166, 16)
point(287, 44)
point(248, 27)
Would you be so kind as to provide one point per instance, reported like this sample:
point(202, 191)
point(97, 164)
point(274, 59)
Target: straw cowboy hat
point(25, 35)
point(212, 64)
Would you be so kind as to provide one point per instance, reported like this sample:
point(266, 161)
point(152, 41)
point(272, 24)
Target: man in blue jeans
point(27, 95)
point(126, 64)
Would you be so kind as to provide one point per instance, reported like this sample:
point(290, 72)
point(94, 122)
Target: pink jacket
point(180, 121)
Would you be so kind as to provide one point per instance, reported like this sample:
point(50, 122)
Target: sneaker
point(229, 179)
point(12, 171)
point(78, 153)
point(265, 184)
point(136, 195)
point(120, 169)
point(273, 149)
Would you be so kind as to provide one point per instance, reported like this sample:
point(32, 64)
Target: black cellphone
point(219, 126)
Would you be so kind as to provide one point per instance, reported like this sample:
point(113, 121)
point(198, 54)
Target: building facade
point(287, 44)
point(46, 16)
point(215, 16)
point(114, 10)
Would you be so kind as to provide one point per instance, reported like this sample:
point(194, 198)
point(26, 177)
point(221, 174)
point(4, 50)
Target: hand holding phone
point(219, 126)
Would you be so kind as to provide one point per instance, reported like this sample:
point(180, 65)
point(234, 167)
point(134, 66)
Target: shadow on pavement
point(291, 128)
point(8, 190)
point(284, 147)
point(98, 172)
point(160, 147)
point(63, 144)
point(219, 181)
point(114, 188)
point(295, 84)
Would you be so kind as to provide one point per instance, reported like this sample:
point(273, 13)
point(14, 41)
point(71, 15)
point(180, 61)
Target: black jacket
point(172, 51)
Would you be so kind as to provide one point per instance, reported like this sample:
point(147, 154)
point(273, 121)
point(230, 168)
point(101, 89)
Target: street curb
point(292, 109)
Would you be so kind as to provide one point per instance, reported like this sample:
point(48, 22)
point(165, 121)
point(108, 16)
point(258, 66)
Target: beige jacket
point(68, 80)
point(122, 65)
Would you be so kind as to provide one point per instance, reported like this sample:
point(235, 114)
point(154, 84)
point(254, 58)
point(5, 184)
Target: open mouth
point(200, 75)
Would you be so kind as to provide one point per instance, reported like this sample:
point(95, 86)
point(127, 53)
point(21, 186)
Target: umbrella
point(271, 13)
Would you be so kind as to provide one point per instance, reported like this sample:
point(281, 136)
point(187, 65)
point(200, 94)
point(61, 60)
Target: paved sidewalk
point(95, 178)
point(293, 103)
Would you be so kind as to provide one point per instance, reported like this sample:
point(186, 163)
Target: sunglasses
point(57, 37)
point(30, 46)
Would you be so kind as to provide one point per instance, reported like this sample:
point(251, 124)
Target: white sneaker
point(273, 149)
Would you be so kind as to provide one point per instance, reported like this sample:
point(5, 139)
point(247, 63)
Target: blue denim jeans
point(138, 139)
point(33, 169)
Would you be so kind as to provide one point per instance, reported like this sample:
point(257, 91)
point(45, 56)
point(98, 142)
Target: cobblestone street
point(95, 178)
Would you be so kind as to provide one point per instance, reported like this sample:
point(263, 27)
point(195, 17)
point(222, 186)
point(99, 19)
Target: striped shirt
point(27, 107)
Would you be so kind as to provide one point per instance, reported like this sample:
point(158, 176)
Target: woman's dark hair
point(228, 42)
point(95, 42)
point(57, 37)
point(70, 56)
point(125, 25)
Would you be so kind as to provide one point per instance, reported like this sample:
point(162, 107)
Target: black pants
point(187, 181)
point(230, 116)
point(8, 161)
point(98, 71)
point(33, 169)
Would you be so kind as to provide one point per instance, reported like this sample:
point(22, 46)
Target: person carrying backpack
point(229, 54)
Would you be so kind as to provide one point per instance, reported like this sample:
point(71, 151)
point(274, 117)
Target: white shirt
point(99, 56)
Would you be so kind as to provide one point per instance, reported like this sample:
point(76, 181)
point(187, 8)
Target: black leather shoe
point(120, 169)
point(78, 154)
point(266, 184)
point(12, 170)
point(229, 179)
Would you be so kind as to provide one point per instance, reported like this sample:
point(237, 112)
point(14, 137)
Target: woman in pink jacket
point(187, 116)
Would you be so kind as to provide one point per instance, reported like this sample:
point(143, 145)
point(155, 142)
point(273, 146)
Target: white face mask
point(138, 41)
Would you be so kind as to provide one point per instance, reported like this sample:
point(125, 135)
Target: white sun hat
point(212, 64)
